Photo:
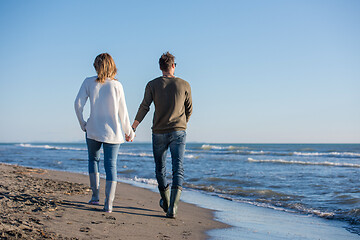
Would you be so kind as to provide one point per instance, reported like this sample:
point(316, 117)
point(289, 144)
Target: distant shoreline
point(146, 142)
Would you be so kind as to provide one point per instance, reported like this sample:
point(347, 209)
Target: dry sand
point(44, 204)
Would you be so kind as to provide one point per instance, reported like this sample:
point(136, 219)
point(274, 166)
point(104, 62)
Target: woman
point(107, 110)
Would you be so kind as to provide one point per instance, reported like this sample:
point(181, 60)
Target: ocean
point(322, 180)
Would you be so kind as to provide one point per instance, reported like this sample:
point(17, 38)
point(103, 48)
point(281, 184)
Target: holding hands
point(128, 138)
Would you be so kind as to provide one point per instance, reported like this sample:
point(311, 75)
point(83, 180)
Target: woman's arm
point(124, 117)
point(79, 104)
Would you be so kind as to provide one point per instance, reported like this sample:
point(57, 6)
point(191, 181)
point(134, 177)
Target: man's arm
point(144, 107)
point(188, 104)
point(135, 124)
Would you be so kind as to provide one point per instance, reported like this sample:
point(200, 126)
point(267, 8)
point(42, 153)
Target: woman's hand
point(127, 138)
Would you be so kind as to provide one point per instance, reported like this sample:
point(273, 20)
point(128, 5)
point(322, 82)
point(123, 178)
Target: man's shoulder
point(183, 82)
point(155, 80)
point(160, 80)
point(180, 79)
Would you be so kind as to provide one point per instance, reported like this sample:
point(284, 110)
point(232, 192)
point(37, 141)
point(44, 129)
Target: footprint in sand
point(96, 222)
point(84, 229)
point(110, 218)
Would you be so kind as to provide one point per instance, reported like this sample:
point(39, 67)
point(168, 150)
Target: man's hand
point(135, 125)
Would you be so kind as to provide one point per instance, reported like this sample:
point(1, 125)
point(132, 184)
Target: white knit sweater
point(107, 110)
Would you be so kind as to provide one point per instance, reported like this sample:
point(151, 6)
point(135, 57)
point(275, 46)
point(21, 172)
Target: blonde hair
point(105, 67)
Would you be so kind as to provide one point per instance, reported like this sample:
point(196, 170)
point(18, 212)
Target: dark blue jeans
point(176, 142)
point(110, 158)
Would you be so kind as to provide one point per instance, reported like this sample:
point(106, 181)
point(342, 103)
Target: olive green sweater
point(173, 104)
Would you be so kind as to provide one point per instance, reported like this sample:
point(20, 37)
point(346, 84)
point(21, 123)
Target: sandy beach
point(37, 203)
point(46, 204)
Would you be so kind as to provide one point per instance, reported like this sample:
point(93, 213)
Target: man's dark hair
point(166, 60)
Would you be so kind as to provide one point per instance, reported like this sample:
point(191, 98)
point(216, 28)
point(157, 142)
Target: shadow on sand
point(116, 209)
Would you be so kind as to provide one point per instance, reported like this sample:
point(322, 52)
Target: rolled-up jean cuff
point(164, 189)
point(176, 187)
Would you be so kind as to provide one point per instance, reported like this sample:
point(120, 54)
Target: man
point(173, 106)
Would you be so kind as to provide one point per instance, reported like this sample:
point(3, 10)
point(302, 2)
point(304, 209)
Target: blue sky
point(261, 71)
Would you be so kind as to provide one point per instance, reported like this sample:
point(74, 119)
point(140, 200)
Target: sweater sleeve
point(188, 103)
point(124, 115)
point(145, 105)
point(79, 104)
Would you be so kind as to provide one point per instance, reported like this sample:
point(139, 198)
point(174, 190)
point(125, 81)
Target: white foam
point(135, 154)
point(258, 152)
point(190, 156)
point(326, 163)
point(261, 152)
point(216, 147)
point(27, 145)
point(145, 180)
point(341, 154)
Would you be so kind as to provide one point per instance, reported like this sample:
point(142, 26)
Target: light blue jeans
point(110, 158)
point(176, 141)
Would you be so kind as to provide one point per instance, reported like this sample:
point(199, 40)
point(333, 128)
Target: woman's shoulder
point(116, 83)
point(90, 79)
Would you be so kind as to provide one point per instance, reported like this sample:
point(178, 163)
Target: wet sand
point(45, 204)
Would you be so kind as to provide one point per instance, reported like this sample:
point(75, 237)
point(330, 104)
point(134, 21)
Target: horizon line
point(190, 142)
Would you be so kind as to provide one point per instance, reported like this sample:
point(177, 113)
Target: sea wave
point(255, 153)
point(145, 180)
point(281, 202)
point(217, 147)
point(241, 192)
point(301, 154)
point(141, 154)
point(191, 156)
point(351, 216)
point(28, 145)
point(242, 150)
point(328, 154)
point(126, 171)
point(281, 161)
point(303, 209)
